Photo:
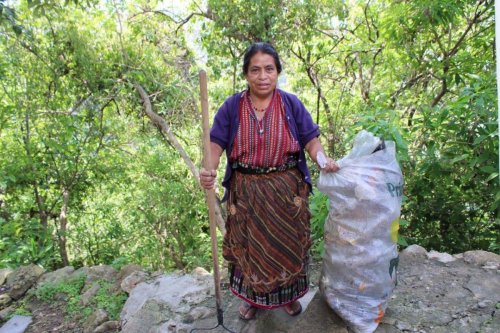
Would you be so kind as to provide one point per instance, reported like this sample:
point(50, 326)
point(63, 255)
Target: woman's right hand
point(207, 178)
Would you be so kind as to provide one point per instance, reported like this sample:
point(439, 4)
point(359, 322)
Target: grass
point(104, 299)
point(20, 310)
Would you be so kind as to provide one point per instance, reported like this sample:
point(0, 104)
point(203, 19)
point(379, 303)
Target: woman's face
point(262, 75)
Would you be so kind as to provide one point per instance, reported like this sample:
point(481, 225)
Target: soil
point(51, 317)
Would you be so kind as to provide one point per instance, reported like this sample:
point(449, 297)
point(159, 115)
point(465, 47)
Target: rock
point(200, 271)
point(4, 272)
point(414, 251)
point(402, 326)
point(131, 281)
point(385, 328)
point(23, 279)
point(108, 326)
point(480, 258)
point(86, 297)
point(491, 265)
point(485, 303)
point(441, 298)
point(156, 274)
point(165, 298)
point(492, 325)
point(124, 272)
point(5, 313)
point(94, 320)
point(127, 270)
point(199, 312)
point(442, 257)
point(16, 324)
point(149, 317)
point(485, 286)
point(175, 327)
point(95, 273)
point(318, 317)
point(224, 274)
point(56, 276)
point(5, 300)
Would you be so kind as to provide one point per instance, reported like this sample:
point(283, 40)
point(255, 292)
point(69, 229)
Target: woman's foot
point(293, 309)
point(247, 311)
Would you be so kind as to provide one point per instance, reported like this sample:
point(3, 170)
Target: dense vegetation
point(100, 130)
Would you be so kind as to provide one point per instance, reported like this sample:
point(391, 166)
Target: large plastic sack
point(360, 253)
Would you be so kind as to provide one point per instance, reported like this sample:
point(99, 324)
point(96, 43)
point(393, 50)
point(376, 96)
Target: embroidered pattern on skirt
point(278, 297)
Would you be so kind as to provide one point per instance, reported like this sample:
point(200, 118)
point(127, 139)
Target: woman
point(265, 131)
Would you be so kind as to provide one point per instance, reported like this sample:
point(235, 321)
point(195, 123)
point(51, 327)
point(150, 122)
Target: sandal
point(247, 311)
point(293, 309)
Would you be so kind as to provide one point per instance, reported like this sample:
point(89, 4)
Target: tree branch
point(165, 129)
point(406, 85)
point(471, 23)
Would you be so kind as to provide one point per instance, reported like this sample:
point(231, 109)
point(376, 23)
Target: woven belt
point(247, 169)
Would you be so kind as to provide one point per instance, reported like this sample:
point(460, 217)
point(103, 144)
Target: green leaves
point(419, 73)
point(459, 158)
point(318, 204)
point(455, 175)
point(8, 18)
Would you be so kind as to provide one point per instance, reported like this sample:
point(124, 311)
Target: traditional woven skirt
point(268, 237)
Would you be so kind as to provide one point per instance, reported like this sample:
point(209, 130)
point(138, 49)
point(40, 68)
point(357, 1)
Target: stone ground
point(431, 297)
point(266, 321)
point(436, 293)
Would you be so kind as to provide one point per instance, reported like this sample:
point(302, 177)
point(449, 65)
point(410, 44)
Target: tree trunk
point(332, 130)
point(44, 217)
point(63, 222)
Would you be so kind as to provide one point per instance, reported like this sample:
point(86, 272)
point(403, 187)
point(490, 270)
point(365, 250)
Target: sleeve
point(219, 133)
point(307, 129)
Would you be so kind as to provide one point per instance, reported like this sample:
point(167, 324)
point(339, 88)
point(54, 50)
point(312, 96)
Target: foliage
point(460, 191)
point(70, 288)
point(20, 309)
point(19, 246)
point(111, 302)
point(56, 126)
point(87, 178)
point(8, 18)
point(77, 129)
point(428, 97)
point(318, 204)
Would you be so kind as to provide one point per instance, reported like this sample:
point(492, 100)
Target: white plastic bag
point(360, 257)
point(364, 144)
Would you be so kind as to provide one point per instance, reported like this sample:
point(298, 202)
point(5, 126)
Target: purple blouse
point(226, 124)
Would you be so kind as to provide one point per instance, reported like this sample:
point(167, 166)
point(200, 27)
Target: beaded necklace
point(255, 108)
point(260, 122)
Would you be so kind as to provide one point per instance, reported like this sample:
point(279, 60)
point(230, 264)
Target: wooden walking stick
point(210, 196)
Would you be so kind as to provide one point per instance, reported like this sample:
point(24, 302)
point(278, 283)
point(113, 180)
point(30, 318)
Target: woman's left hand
point(331, 166)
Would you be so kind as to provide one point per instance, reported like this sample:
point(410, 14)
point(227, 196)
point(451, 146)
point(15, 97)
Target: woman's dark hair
point(263, 48)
